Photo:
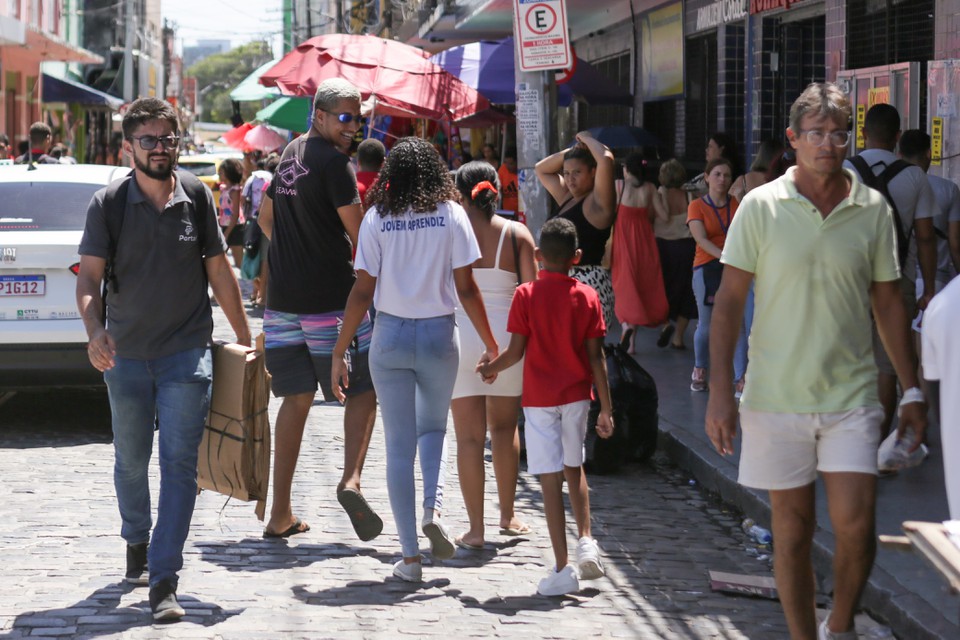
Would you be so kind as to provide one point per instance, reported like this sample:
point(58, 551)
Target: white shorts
point(785, 450)
point(554, 436)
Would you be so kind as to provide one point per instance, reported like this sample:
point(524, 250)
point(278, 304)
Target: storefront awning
point(62, 90)
point(48, 47)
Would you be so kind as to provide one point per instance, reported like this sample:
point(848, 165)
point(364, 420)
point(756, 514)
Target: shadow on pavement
point(258, 554)
point(55, 418)
point(513, 605)
point(100, 613)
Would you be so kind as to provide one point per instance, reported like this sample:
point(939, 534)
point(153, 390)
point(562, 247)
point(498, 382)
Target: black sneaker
point(137, 564)
point(163, 602)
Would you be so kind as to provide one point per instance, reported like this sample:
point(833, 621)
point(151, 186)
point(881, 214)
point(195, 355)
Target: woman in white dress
point(507, 259)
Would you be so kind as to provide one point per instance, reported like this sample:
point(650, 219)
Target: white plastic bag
point(893, 453)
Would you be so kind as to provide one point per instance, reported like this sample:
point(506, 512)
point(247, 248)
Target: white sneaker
point(558, 583)
point(412, 572)
point(823, 633)
point(441, 544)
point(588, 559)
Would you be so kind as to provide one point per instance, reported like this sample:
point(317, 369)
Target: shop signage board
point(878, 95)
point(720, 12)
point(542, 34)
point(861, 116)
point(759, 6)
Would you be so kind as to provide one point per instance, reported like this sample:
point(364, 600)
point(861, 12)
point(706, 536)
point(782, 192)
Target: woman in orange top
point(708, 218)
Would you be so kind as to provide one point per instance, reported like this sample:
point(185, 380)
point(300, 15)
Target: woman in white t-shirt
point(414, 262)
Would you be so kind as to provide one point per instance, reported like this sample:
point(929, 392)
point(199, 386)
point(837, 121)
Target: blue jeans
point(701, 337)
point(173, 393)
point(413, 363)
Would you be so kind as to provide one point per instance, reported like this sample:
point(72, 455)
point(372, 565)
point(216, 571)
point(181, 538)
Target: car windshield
point(44, 206)
point(200, 168)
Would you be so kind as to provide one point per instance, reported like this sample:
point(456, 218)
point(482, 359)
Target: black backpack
point(880, 183)
point(114, 206)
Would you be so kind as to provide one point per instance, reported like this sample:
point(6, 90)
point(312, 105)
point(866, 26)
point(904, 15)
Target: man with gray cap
point(311, 214)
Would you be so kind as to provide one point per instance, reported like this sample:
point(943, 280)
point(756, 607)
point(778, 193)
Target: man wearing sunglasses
point(312, 214)
point(153, 347)
point(820, 249)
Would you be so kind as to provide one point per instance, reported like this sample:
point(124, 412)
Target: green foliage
point(219, 73)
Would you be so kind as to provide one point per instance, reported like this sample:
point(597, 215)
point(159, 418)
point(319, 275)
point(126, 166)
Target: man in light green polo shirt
point(821, 249)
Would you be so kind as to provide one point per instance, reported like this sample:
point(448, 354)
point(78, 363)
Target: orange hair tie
point(480, 187)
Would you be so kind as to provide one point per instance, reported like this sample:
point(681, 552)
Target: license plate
point(23, 285)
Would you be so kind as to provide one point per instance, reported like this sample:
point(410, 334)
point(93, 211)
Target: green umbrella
point(287, 113)
point(250, 89)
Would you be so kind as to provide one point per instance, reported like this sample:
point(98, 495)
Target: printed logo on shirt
point(420, 222)
point(289, 171)
point(188, 234)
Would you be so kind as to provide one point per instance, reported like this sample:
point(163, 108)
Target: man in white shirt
point(914, 203)
point(941, 361)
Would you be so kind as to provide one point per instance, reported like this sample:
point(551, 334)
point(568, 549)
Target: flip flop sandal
point(463, 544)
point(365, 521)
point(298, 526)
point(522, 530)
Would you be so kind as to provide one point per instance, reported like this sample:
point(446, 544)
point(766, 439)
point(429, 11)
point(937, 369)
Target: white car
point(42, 214)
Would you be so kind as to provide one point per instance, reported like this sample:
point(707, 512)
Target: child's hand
point(605, 424)
point(483, 368)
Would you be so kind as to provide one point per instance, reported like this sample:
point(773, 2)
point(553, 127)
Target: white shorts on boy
point(554, 436)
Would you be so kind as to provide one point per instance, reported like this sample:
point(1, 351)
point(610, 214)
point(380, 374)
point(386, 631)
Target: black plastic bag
point(635, 418)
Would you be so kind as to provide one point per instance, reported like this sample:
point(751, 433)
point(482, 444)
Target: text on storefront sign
point(720, 12)
point(759, 6)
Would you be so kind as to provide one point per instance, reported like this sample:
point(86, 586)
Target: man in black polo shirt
point(312, 214)
point(155, 349)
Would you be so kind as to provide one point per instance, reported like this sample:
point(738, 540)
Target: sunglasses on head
point(346, 118)
point(149, 143)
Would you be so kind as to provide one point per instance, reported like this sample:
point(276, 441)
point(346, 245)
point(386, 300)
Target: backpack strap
point(881, 183)
point(114, 204)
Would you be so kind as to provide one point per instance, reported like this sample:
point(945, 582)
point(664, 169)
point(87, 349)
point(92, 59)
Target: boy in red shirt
point(558, 323)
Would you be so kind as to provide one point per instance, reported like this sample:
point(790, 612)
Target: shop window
point(617, 68)
point(882, 32)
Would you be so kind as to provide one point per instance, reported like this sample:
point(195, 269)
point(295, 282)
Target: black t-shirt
point(311, 265)
point(161, 306)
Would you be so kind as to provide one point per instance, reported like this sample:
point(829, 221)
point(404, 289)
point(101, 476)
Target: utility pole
point(130, 33)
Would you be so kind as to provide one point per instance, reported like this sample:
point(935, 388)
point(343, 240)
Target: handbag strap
point(516, 251)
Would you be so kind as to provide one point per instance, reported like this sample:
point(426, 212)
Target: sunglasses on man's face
point(149, 143)
point(347, 118)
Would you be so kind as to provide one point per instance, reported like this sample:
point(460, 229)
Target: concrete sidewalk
point(904, 591)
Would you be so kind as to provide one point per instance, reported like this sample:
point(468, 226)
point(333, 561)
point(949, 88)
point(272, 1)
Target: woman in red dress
point(639, 295)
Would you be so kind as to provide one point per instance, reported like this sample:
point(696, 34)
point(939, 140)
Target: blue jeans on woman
point(701, 337)
point(171, 393)
point(413, 363)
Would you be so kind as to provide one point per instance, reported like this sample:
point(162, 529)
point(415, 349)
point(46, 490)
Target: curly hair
point(413, 178)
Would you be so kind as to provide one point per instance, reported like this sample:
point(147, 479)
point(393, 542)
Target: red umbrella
point(234, 137)
point(397, 75)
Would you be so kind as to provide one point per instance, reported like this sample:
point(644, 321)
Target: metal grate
point(888, 31)
point(616, 68)
point(701, 96)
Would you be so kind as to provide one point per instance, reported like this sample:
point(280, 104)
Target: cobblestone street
point(63, 557)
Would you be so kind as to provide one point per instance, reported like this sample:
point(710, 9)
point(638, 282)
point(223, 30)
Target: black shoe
point(665, 334)
point(137, 564)
point(163, 602)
